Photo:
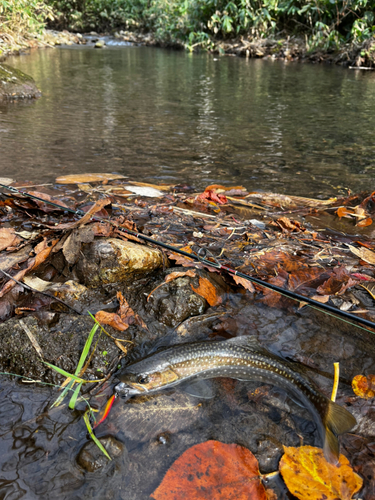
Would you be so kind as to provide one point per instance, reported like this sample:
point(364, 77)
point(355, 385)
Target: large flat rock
point(113, 260)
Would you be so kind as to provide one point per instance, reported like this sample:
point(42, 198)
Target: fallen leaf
point(364, 222)
point(364, 254)
point(46, 207)
point(162, 187)
point(8, 238)
point(363, 386)
point(288, 225)
point(307, 474)
point(321, 298)
point(369, 287)
point(72, 245)
point(211, 195)
point(126, 313)
point(344, 212)
point(42, 251)
point(111, 319)
point(82, 178)
point(208, 291)
point(213, 470)
point(245, 283)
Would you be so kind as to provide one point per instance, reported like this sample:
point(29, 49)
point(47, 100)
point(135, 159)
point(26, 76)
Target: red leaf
point(213, 470)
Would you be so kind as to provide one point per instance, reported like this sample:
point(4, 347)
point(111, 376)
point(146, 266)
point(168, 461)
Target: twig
point(38, 291)
point(32, 338)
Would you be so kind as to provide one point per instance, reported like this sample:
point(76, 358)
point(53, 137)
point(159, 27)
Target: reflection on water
point(159, 115)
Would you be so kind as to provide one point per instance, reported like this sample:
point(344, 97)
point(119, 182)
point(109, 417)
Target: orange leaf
point(364, 222)
point(344, 212)
point(111, 319)
point(207, 290)
point(212, 470)
point(307, 474)
point(363, 386)
point(244, 282)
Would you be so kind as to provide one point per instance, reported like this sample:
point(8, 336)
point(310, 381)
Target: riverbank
point(289, 48)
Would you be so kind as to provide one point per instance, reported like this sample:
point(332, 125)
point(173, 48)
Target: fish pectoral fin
point(338, 420)
point(199, 389)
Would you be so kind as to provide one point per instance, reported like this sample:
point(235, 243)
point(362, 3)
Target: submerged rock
point(113, 260)
point(14, 84)
point(91, 458)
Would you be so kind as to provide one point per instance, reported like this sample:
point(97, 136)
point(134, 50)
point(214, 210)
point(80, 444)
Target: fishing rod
point(204, 257)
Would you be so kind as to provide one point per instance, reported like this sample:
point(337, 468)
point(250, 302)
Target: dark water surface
point(159, 115)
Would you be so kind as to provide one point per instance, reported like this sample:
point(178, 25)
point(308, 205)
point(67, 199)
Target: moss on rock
point(14, 84)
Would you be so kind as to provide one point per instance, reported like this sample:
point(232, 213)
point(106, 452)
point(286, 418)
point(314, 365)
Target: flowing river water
point(168, 116)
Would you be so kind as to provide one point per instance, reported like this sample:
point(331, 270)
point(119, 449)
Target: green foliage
point(326, 23)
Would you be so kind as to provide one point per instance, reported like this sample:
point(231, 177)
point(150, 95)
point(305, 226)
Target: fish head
point(146, 376)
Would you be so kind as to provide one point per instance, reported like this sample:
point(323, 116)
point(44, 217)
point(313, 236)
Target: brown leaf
point(338, 283)
point(321, 298)
point(8, 238)
point(307, 474)
point(363, 386)
point(82, 178)
point(208, 291)
point(46, 207)
point(212, 470)
point(364, 254)
point(43, 250)
point(288, 225)
point(244, 282)
point(72, 245)
point(111, 319)
point(128, 316)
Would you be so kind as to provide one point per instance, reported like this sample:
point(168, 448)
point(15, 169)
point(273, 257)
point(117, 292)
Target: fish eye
point(143, 379)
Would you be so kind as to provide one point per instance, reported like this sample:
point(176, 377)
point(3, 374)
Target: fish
point(241, 358)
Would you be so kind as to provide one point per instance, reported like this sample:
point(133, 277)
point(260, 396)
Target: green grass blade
point(86, 418)
point(73, 399)
point(66, 374)
point(86, 348)
point(63, 394)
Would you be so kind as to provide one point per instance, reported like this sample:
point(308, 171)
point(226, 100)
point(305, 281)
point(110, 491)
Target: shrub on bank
point(325, 23)
point(21, 21)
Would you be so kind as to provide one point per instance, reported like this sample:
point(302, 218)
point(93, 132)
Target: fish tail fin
point(337, 421)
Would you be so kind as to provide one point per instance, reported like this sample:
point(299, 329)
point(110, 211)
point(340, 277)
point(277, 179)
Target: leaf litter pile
point(56, 266)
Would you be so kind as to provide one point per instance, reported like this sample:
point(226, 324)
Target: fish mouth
point(126, 391)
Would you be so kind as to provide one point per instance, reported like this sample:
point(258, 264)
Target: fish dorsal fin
point(246, 341)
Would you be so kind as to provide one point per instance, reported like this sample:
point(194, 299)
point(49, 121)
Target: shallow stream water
point(166, 116)
point(169, 116)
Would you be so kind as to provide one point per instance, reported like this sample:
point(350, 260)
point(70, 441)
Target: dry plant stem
point(33, 340)
point(38, 291)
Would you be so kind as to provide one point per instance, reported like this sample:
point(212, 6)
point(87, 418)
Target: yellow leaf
point(308, 475)
point(364, 254)
point(82, 178)
point(363, 386)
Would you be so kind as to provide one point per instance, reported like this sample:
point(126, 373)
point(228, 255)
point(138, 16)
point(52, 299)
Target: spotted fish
point(241, 358)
